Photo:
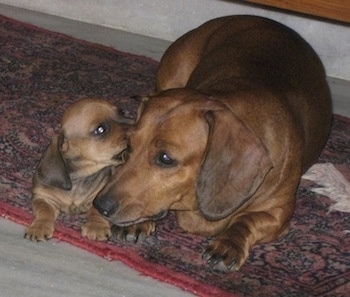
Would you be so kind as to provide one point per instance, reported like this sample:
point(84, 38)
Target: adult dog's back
point(254, 52)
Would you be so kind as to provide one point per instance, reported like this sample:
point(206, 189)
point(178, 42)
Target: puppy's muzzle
point(105, 205)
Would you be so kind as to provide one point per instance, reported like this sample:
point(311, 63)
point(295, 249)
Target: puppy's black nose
point(105, 205)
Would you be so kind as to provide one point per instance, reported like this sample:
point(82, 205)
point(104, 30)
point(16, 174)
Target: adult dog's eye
point(165, 160)
point(101, 130)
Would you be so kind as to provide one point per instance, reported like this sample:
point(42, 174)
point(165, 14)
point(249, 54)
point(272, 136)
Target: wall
point(168, 19)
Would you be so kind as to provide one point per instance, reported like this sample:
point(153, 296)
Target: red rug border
point(114, 253)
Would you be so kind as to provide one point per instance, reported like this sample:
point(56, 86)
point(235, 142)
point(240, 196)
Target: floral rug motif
point(42, 72)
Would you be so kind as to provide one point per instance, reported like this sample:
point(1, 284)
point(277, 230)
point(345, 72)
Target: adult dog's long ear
point(234, 165)
point(52, 169)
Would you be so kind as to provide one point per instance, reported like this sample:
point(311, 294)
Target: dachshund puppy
point(76, 165)
point(242, 110)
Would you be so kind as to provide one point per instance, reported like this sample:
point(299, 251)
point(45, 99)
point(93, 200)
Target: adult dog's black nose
point(105, 205)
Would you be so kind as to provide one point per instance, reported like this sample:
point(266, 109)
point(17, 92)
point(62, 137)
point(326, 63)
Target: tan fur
point(242, 109)
point(75, 166)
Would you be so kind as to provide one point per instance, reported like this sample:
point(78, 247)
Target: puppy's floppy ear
point(52, 169)
point(143, 102)
point(121, 117)
point(234, 165)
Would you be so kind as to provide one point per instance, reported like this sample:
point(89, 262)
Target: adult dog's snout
point(105, 205)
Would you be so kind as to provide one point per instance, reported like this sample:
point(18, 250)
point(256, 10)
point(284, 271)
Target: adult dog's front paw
point(96, 230)
point(40, 230)
point(224, 255)
point(134, 232)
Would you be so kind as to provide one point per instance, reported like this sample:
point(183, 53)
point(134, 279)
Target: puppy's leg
point(43, 225)
point(96, 227)
point(134, 232)
point(230, 249)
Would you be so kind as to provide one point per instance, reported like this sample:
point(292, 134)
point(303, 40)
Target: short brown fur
point(242, 109)
point(76, 165)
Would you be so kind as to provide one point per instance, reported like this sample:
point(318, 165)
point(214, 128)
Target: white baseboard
point(340, 90)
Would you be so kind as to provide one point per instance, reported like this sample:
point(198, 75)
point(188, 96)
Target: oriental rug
point(42, 72)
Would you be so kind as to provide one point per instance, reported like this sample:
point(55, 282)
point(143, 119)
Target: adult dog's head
point(187, 152)
point(92, 137)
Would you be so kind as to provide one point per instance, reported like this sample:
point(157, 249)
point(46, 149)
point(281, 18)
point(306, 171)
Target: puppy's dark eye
point(101, 130)
point(164, 159)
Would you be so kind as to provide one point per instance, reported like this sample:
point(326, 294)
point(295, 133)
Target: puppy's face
point(93, 133)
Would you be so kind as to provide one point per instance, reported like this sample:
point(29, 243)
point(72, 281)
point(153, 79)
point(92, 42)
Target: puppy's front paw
point(224, 255)
point(40, 230)
point(96, 230)
point(134, 232)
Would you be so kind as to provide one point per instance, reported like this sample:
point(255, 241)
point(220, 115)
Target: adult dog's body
point(242, 109)
point(75, 167)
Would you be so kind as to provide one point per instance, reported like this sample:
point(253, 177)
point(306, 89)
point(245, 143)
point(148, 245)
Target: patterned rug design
point(42, 72)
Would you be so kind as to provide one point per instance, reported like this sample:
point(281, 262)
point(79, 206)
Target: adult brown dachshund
point(242, 109)
point(75, 167)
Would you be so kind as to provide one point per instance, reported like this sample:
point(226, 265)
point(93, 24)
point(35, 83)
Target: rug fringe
point(333, 185)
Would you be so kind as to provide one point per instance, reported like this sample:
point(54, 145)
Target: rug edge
point(130, 259)
point(81, 41)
